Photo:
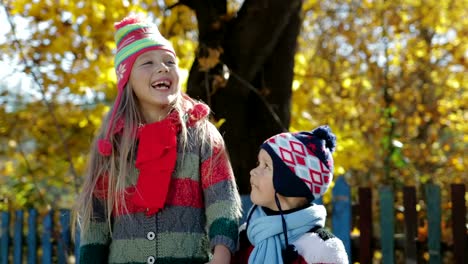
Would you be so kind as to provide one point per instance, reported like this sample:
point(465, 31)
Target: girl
point(159, 188)
point(284, 225)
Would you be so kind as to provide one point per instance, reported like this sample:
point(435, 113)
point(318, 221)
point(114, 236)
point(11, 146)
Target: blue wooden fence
point(341, 224)
point(52, 243)
point(54, 246)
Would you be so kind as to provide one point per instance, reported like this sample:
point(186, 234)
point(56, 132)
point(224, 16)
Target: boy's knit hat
point(134, 36)
point(302, 162)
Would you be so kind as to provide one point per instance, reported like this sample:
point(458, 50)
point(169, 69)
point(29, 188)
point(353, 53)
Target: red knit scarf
point(156, 157)
point(156, 160)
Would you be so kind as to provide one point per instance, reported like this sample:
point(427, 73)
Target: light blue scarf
point(266, 232)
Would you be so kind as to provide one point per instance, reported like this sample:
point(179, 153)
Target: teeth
point(163, 83)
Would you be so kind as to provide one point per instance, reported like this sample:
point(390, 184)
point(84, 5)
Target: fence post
point(48, 225)
point(64, 241)
point(32, 236)
point(387, 224)
point(365, 225)
point(246, 204)
point(433, 217)
point(319, 200)
point(341, 216)
point(77, 244)
point(5, 238)
point(409, 203)
point(459, 222)
point(18, 238)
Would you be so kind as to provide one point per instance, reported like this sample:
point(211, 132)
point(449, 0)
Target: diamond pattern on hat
point(316, 177)
point(297, 147)
point(283, 142)
point(286, 156)
point(302, 162)
point(313, 163)
point(303, 173)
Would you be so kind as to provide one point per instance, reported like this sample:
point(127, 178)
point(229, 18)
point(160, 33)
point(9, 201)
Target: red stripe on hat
point(131, 19)
point(133, 36)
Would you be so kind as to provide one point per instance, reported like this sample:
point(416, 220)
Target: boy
point(284, 225)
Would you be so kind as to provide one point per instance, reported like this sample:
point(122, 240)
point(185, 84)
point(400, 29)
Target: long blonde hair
point(117, 166)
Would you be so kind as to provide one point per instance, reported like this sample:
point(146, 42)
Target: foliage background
point(389, 77)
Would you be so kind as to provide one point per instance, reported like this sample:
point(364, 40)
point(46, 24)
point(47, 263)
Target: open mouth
point(161, 85)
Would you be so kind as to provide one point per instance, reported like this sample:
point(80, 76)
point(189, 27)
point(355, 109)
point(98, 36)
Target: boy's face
point(261, 181)
point(155, 79)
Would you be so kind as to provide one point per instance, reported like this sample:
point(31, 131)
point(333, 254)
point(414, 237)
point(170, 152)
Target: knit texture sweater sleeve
point(222, 202)
point(94, 241)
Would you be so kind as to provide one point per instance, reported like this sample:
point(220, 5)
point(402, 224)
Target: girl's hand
point(221, 255)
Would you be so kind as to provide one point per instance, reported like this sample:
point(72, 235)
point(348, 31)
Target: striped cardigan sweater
point(201, 211)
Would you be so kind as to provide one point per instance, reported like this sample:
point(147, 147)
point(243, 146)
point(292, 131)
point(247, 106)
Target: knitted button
point(150, 260)
point(150, 236)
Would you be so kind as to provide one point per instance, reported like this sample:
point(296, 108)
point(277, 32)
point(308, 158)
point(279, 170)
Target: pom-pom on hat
point(134, 36)
point(302, 162)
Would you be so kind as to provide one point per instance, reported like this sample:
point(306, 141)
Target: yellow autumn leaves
point(348, 54)
point(415, 51)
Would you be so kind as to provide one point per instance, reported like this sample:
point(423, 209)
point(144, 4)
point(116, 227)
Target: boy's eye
point(171, 62)
point(148, 62)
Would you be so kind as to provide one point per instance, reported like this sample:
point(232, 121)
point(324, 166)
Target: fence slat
point(411, 223)
point(18, 238)
point(32, 236)
point(341, 224)
point(341, 216)
point(319, 200)
point(48, 225)
point(365, 225)
point(77, 244)
point(459, 222)
point(433, 218)
point(64, 242)
point(387, 224)
point(246, 204)
point(5, 238)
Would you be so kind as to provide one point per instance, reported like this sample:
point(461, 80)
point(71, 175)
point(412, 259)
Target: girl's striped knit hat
point(302, 162)
point(134, 36)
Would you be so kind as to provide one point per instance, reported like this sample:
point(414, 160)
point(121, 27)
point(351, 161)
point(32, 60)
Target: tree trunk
point(257, 47)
